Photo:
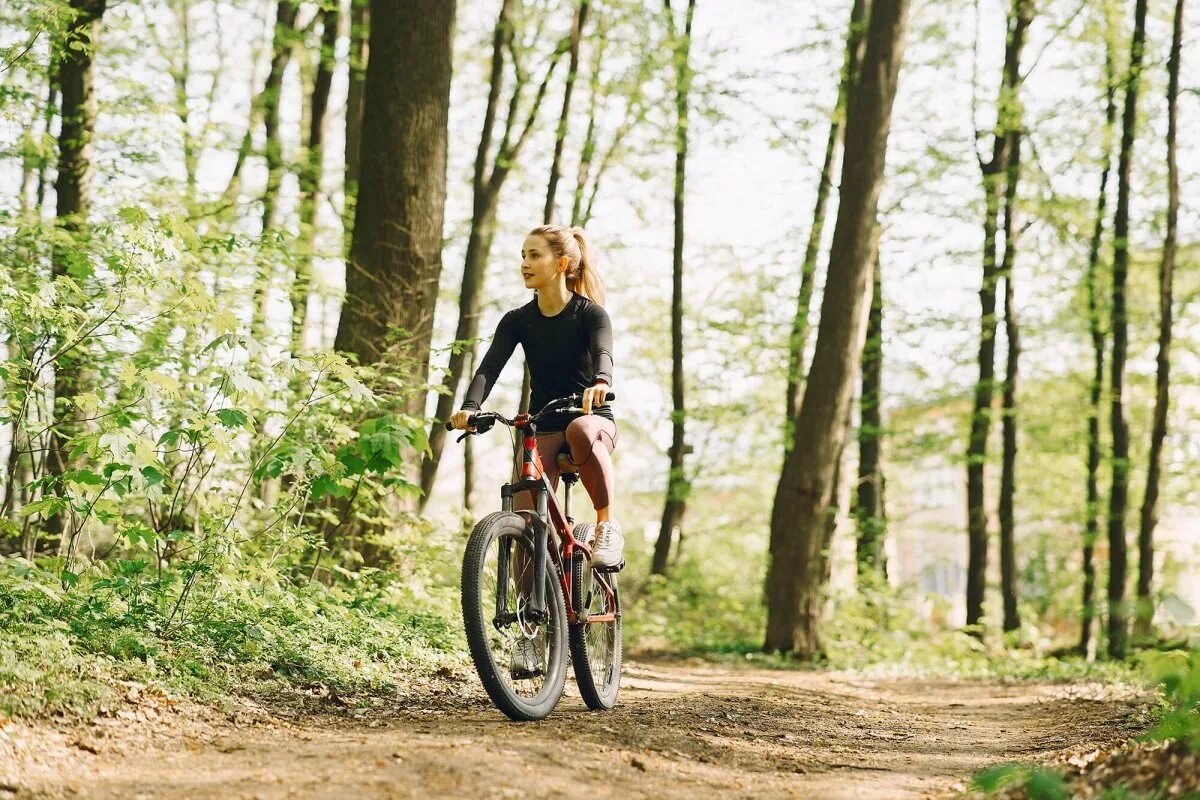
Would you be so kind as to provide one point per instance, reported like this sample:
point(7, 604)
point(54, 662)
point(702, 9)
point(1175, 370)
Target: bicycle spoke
point(509, 567)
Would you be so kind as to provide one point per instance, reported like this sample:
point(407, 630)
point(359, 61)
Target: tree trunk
point(1144, 616)
point(1008, 422)
point(310, 175)
point(1096, 331)
point(357, 70)
point(281, 50)
point(469, 451)
point(396, 253)
point(1118, 614)
point(677, 482)
point(73, 188)
point(868, 504)
point(994, 172)
point(180, 73)
point(560, 133)
point(52, 103)
point(34, 165)
point(587, 152)
point(808, 270)
point(802, 499)
point(488, 181)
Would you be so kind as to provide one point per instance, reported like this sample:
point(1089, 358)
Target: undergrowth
point(63, 651)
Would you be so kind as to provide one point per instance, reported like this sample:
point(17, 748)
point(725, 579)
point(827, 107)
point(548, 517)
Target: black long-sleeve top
point(566, 354)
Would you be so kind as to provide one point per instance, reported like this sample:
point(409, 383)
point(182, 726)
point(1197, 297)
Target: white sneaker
point(610, 541)
point(526, 661)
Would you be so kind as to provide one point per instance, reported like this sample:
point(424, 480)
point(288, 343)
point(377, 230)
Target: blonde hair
point(582, 275)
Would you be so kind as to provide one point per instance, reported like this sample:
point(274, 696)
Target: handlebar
point(484, 420)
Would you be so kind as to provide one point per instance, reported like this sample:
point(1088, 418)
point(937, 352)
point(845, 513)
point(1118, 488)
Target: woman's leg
point(592, 440)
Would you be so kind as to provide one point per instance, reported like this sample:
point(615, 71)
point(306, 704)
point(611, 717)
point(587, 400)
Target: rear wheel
point(596, 645)
point(505, 641)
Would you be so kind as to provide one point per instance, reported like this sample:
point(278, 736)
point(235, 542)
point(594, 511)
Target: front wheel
point(596, 638)
point(521, 660)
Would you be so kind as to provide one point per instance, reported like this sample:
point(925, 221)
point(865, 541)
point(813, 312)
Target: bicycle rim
point(596, 646)
point(497, 577)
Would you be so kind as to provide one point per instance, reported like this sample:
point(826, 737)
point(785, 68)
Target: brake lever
point(465, 435)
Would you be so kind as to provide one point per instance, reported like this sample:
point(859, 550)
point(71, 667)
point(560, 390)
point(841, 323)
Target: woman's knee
point(580, 435)
point(583, 433)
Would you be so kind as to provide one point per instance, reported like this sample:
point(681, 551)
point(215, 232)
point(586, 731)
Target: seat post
point(568, 479)
point(568, 474)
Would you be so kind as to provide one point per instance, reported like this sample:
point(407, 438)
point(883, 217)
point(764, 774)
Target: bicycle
point(516, 587)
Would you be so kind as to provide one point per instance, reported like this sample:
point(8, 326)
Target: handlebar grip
point(610, 396)
point(470, 423)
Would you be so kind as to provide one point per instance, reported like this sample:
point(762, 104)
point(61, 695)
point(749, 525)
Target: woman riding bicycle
point(567, 339)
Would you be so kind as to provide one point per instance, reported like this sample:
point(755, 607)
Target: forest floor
point(681, 729)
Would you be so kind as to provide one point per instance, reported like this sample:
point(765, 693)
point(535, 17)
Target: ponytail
point(582, 275)
point(587, 282)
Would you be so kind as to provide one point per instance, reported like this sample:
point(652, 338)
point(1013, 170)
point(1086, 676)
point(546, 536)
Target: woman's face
point(539, 267)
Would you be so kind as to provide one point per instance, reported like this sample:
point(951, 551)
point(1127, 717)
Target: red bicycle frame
point(546, 514)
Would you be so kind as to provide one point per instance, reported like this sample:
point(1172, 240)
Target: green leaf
point(1045, 785)
point(323, 485)
point(134, 215)
point(84, 477)
point(69, 578)
point(228, 339)
point(47, 505)
point(115, 467)
point(232, 418)
point(152, 476)
point(994, 778)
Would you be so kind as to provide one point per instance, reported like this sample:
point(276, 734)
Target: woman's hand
point(460, 419)
point(594, 397)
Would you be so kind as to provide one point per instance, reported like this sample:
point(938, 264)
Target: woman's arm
point(498, 353)
point(599, 330)
point(600, 343)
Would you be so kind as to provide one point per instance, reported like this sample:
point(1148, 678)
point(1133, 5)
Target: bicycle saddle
point(565, 464)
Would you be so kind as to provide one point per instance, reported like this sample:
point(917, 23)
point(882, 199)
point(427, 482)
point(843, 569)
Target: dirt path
point(678, 732)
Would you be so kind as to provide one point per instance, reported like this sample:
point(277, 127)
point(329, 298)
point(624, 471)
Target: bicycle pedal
point(526, 674)
point(614, 568)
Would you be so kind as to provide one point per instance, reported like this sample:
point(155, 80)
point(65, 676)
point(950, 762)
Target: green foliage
point(1178, 673)
point(1039, 784)
point(217, 496)
point(61, 651)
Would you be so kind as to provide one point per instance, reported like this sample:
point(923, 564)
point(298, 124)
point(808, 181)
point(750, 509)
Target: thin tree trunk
point(74, 196)
point(799, 515)
point(488, 181)
point(1118, 498)
point(808, 269)
point(868, 506)
point(281, 50)
point(560, 133)
point(469, 449)
point(994, 172)
point(1008, 423)
point(677, 482)
point(1096, 330)
point(396, 254)
point(1144, 616)
point(310, 176)
point(180, 74)
point(357, 70)
point(33, 165)
point(43, 162)
point(587, 152)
